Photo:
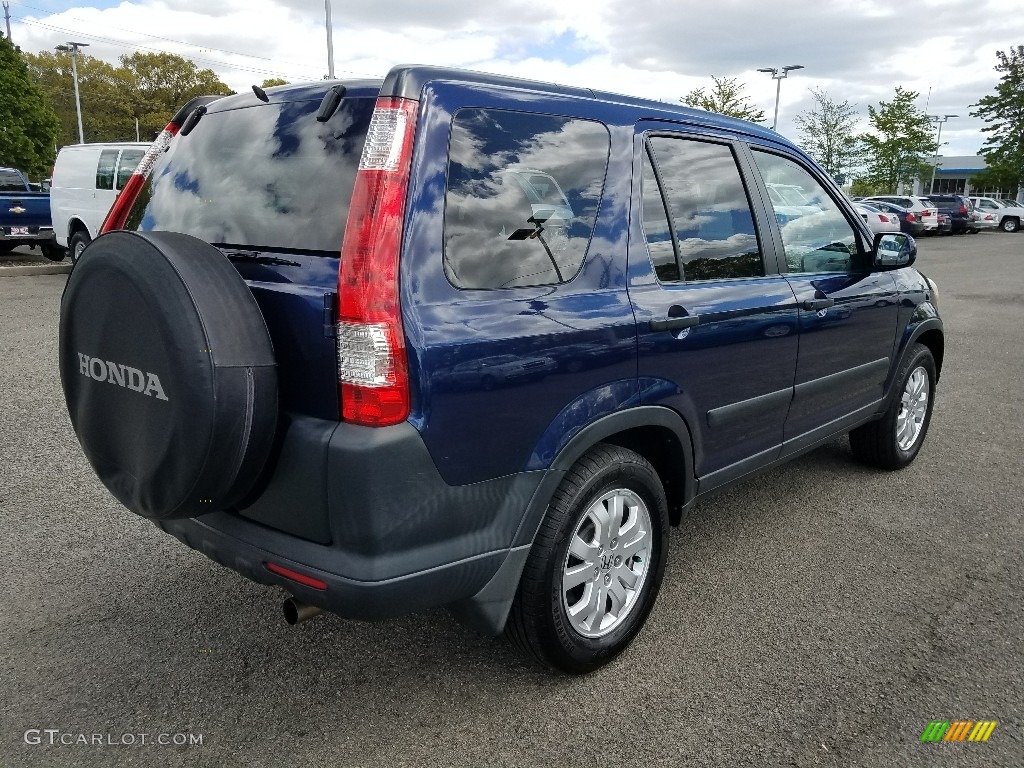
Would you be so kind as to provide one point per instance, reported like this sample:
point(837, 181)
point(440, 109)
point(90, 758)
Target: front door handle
point(812, 305)
point(675, 323)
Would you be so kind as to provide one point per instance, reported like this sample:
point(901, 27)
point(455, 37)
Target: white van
point(86, 180)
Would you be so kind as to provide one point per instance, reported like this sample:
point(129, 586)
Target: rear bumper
point(35, 236)
point(247, 548)
point(365, 512)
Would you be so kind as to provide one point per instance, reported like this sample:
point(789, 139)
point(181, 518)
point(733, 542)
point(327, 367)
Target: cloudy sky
point(857, 50)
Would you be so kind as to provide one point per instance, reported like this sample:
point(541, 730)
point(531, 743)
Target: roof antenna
point(260, 93)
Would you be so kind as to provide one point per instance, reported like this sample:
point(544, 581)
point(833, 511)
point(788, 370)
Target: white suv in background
point(1009, 216)
point(921, 207)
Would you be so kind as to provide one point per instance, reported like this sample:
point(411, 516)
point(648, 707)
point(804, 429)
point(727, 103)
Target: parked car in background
point(909, 222)
point(1008, 215)
point(86, 180)
point(945, 224)
point(959, 209)
point(984, 220)
point(25, 216)
point(926, 212)
point(876, 219)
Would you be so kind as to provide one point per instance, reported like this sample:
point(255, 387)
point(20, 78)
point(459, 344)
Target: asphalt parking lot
point(821, 614)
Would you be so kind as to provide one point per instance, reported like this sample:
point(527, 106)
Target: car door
point(716, 323)
point(848, 313)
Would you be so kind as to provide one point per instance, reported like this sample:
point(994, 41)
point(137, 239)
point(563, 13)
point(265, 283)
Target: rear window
point(522, 198)
point(11, 182)
point(267, 176)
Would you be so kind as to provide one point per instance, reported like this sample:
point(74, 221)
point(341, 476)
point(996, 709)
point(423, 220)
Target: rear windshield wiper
point(255, 257)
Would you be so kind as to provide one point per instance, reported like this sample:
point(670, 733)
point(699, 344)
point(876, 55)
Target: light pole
point(330, 40)
point(72, 48)
point(938, 145)
point(778, 75)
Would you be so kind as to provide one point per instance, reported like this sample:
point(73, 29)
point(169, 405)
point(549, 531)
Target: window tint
point(105, 169)
point(709, 209)
point(522, 197)
point(815, 234)
point(129, 159)
point(267, 176)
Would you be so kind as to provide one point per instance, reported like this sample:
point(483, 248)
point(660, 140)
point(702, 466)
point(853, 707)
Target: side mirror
point(894, 250)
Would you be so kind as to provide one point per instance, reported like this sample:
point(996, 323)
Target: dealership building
point(953, 176)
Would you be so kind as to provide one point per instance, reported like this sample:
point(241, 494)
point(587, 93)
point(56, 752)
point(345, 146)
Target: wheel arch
point(658, 434)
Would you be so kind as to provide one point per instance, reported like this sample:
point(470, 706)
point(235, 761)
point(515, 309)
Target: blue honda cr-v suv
point(464, 340)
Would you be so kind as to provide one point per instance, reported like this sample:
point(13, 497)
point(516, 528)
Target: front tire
point(596, 564)
point(894, 441)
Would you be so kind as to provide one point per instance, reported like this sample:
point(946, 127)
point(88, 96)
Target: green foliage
point(160, 83)
point(28, 127)
point(726, 98)
point(1003, 111)
point(827, 134)
point(864, 188)
point(902, 137)
point(270, 82)
point(106, 110)
point(149, 87)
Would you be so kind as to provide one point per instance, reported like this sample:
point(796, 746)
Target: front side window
point(522, 198)
point(709, 210)
point(105, 169)
point(816, 235)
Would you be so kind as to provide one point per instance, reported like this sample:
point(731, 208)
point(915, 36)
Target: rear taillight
point(926, 212)
point(882, 217)
point(118, 214)
point(372, 366)
point(911, 217)
point(963, 210)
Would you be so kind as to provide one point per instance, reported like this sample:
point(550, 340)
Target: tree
point(1003, 111)
point(827, 134)
point(160, 83)
point(103, 90)
point(726, 98)
point(270, 82)
point(148, 87)
point(28, 126)
point(902, 138)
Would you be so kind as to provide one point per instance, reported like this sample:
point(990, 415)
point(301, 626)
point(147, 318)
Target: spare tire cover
point(168, 373)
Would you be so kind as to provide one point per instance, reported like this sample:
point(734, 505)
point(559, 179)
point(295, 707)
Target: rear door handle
point(814, 304)
point(675, 323)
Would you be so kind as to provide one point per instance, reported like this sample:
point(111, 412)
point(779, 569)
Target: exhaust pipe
point(295, 611)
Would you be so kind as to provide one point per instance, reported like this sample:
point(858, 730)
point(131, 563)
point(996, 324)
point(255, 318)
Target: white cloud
point(856, 49)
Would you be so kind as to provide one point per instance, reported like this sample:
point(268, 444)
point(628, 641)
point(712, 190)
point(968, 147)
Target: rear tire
point(596, 564)
point(894, 441)
point(53, 252)
point(77, 244)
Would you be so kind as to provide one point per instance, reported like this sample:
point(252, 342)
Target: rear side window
point(522, 198)
point(265, 177)
point(129, 159)
point(105, 169)
point(11, 182)
point(702, 193)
